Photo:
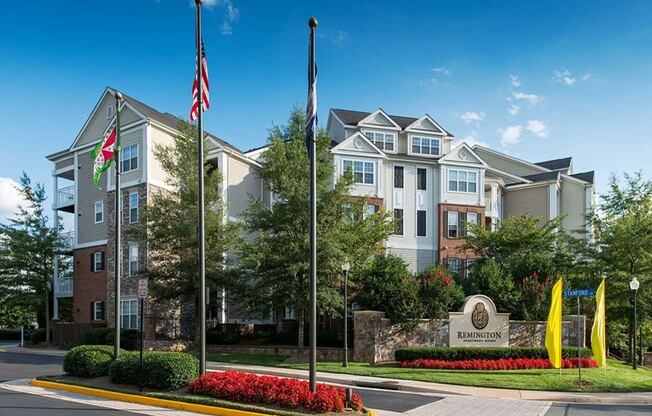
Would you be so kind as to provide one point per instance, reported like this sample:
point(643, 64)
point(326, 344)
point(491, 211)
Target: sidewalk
point(442, 389)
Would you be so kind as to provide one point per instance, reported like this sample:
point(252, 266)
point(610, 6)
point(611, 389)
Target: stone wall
point(376, 339)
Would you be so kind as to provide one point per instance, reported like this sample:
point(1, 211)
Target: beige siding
point(87, 195)
point(99, 122)
point(510, 166)
point(135, 137)
point(157, 138)
point(573, 206)
point(337, 131)
point(243, 184)
point(64, 163)
point(533, 201)
point(417, 260)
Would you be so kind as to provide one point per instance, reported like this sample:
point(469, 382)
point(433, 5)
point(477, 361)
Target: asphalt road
point(20, 365)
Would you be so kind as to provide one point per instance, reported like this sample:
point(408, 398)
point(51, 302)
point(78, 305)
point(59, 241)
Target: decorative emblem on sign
point(480, 316)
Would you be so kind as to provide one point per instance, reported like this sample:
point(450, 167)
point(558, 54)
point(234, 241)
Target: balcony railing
point(63, 286)
point(66, 196)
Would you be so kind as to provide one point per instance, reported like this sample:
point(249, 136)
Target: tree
point(487, 278)
point(389, 286)
point(27, 253)
point(274, 262)
point(170, 224)
point(624, 250)
point(439, 292)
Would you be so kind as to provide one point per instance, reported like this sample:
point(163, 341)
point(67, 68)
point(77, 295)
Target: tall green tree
point(275, 263)
point(29, 245)
point(170, 224)
point(624, 250)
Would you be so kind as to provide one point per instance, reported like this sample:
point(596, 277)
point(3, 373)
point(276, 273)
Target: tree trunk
point(47, 316)
point(301, 321)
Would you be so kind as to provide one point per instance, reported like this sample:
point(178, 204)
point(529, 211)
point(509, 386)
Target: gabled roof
point(352, 118)
point(585, 176)
point(540, 177)
point(556, 164)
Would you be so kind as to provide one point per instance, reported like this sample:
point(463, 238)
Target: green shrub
point(97, 336)
point(129, 338)
point(221, 338)
point(8, 333)
point(38, 336)
point(455, 354)
point(161, 370)
point(88, 360)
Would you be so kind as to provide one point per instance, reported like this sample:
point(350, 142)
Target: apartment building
point(409, 166)
point(90, 211)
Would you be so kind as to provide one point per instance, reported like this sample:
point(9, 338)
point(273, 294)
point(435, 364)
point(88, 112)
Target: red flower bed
point(284, 392)
point(499, 364)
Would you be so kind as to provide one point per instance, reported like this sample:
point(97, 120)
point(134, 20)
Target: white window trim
point(402, 235)
point(410, 152)
point(122, 301)
point(101, 210)
point(398, 165)
point(467, 171)
point(416, 177)
point(109, 112)
point(131, 220)
point(95, 318)
point(95, 261)
point(363, 171)
point(129, 269)
point(448, 224)
point(416, 223)
point(137, 158)
point(393, 134)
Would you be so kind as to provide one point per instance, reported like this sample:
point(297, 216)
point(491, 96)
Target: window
point(99, 212)
point(133, 207)
point(462, 181)
point(471, 218)
point(363, 172)
point(452, 218)
point(109, 112)
point(421, 223)
point(398, 216)
point(97, 311)
point(133, 259)
point(384, 141)
point(453, 264)
point(421, 179)
point(129, 313)
point(97, 261)
point(129, 158)
point(368, 210)
point(289, 313)
point(468, 263)
point(398, 177)
point(425, 146)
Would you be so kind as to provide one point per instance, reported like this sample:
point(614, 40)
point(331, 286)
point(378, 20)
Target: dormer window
point(384, 141)
point(429, 146)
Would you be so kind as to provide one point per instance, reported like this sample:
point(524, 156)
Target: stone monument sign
point(478, 324)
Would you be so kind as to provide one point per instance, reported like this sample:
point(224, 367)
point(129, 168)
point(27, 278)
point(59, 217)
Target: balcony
point(65, 199)
point(63, 287)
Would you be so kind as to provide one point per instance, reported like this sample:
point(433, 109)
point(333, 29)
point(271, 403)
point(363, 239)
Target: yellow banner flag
point(553, 326)
point(599, 332)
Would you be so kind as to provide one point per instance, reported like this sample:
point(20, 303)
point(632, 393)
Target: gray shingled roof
point(556, 164)
point(585, 176)
point(168, 119)
point(351, 117)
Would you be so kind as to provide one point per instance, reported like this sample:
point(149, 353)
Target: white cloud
point(472, 141)
point(207, 3)
point(511, 135)
point(514, 109)
point(472, 117)
point(587, 76)
point(533, 99)
point(441, 70)
point(226, 28)
point(339, 37)
point(232, 13)
point(515, 81)
point(564, 77)
point(10, 198)
point(537, 128)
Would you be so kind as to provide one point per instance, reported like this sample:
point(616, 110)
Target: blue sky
point(538, 80)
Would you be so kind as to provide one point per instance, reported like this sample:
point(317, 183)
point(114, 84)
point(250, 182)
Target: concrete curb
point(443, 389)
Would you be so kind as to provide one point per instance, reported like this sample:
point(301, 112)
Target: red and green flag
point(103, 155)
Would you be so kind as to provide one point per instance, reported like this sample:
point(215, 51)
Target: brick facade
point(90, 286)
point(452, 247)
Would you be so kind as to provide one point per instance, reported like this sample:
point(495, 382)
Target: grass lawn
point(251, 359)
point(619, 377)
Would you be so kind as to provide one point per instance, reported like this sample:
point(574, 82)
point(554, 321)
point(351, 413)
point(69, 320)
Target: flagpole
point(201, 230)
point(312, 23)
point(117, 253)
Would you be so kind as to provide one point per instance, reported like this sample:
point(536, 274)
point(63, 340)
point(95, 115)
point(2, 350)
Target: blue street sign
point(577, 293)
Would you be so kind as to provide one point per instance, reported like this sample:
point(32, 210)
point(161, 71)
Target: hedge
point(97, 336)
point(161, 370)
point(88, 360)
point(38, 336)
point(129, 338)
point(8, 333)
point(458, 354)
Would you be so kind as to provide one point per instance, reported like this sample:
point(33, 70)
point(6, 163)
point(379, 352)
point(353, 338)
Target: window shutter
point(102, 260)
point(103, 309)
point(92, 311)
point(445, 233)
point(463, 264)
point(92, 262)
point(462, 224)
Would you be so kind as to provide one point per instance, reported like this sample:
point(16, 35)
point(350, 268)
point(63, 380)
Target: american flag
point(205, 89)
